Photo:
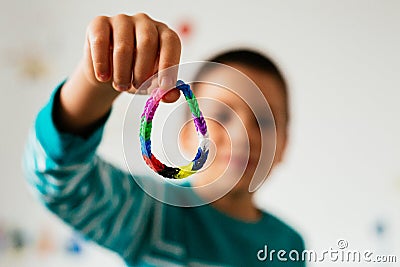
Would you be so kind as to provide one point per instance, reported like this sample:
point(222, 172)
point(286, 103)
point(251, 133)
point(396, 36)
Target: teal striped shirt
point(107, 206)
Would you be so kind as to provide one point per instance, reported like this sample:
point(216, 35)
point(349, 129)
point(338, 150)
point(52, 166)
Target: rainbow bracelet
point(145, 134)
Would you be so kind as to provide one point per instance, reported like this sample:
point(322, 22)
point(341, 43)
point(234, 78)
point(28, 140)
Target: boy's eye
point(266, 123)
point(222, 117)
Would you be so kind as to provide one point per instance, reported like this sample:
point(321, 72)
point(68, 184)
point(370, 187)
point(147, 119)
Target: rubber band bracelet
point(201, 128)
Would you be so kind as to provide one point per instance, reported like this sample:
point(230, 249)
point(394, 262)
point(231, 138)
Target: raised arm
point(96, 198)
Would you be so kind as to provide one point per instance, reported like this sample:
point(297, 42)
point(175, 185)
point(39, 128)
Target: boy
point(106, 205)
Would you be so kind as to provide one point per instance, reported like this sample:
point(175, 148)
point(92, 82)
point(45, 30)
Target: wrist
point(82, 103)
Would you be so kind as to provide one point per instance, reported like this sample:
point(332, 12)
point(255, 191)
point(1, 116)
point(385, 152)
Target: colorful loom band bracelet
point(145, 134)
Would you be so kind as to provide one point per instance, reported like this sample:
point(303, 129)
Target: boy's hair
point(252, 59)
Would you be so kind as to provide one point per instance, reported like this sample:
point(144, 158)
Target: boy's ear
point(280, 153)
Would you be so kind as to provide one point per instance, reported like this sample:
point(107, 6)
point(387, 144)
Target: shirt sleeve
point(96, 198)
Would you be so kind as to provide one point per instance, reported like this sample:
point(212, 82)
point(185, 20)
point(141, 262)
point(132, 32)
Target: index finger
point(170, 53)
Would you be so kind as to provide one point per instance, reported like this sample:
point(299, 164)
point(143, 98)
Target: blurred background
point(341, 174)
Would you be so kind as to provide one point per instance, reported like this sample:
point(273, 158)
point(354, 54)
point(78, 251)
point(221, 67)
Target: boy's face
point(237, 138)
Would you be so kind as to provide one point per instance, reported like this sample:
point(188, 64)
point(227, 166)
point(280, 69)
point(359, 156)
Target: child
point(106, 205)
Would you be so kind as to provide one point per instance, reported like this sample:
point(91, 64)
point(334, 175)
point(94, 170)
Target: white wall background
point(341, 177)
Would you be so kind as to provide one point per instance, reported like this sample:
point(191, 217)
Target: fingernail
point(122, 87)
point(103, 77)
point(137, 85)
point(166, 83)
